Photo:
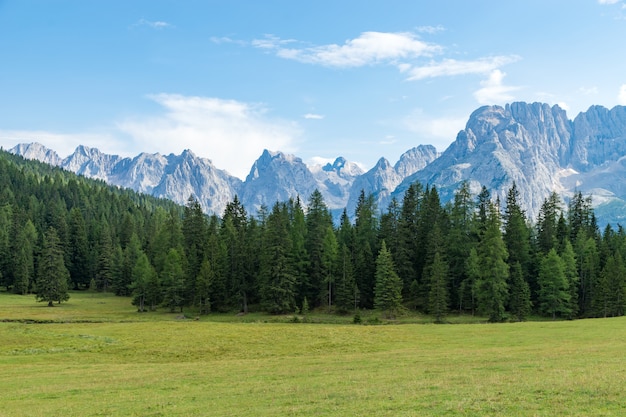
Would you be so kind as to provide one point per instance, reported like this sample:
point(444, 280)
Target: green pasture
point(96, 356)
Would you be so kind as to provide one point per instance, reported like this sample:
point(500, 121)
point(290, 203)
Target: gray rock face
point(37, 152)
point(532, 144)
point(276, 176)
point(383, 178)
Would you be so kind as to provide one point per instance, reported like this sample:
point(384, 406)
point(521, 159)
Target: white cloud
point(608, 1)
point(313, 116)
point(493, 91)
point(231, 133)
point(431, 29)
point(320, 161)
point(368, 49)
point(158, 24)
point(588, 91)
point(439, 132)
point(621, 97)
point(449, 67)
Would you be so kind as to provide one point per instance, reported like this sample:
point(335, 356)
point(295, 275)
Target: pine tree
point(329, 262)
point(173, 281)
point(278, 284)
point(204, 281)
point(142, 275)
point(318, 219)
point(492, 288)
point(52, 276)
point(365, 230)
point(79, 249)
point(438, 295)
point(388, 290)
point(571, 274)
point(553, 287)
point(24, 263)
point(459, 243)
point(469, 286)
point(346, 293)
point(519, 301)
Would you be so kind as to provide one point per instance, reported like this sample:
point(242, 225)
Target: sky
point(318, 79)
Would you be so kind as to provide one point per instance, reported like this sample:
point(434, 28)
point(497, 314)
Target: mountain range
point(534, 145)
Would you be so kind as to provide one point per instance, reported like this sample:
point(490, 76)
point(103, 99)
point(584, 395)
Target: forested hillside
point(473, 255)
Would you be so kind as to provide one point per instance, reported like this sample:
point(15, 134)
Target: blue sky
point(319, 79)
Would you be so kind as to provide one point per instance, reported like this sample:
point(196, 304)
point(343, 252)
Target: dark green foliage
point(438, 295)
point(519, 300)
point(163, 254)
point(388, 291)
point(491, 287)
point(278, 282)
point(553, 286)
point(142, 278)
point(52, 275)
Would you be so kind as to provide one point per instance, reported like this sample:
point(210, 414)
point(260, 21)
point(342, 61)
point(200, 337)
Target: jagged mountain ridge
point(533, 144)
point(541, 150)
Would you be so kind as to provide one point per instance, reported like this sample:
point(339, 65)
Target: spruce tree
point(553, 286)
point(278, 283)
point(52, 276)
point(438, 295)
point(141, 278)
point(492, 288)
point(519, 300)
point(204, 281)
point(571, 274)
point(388, 290)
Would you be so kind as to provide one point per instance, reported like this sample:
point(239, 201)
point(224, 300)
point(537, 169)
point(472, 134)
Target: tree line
point(473, 255)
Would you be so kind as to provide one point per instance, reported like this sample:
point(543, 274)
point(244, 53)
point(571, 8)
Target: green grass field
point(95, 356)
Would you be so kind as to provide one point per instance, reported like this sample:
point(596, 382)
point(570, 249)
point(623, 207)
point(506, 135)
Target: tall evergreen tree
point(438, 295)
point(52, 276)
point(492, 288)
point(347, 292)
point(553, 286)
point(24, 262)
point(519, 300)
point(329, 263)
point(173, 281)
point(278, 283)
point(204, 281)
point(459, 242)
point(318, 219)
point(79, 265)
point(234, 231)
point(388, 291)
point(366, 231)
point(142, 276)
point(571, 274)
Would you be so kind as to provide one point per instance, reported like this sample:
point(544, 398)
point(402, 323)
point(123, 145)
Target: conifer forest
point(473, 255)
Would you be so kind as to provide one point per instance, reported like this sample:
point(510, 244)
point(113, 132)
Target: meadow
point(96, 356)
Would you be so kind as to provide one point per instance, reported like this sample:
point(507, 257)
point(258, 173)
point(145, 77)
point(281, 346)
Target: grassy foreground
point(127, 364)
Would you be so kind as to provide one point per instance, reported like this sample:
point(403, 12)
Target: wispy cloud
point(225, 39)
point(588, 91)
point(431, 30)
point(621, 96)
point(609, 1)
point(153, 24)
point(232, 133)
point(450, 67)
point(438, 131)
point(313, 116)
point(368, 49)
point(494, 91)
